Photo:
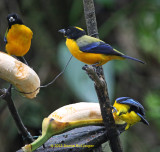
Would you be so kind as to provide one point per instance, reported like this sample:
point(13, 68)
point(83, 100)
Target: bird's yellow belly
point(131, 118)
point(88, 58)
point(117, 119)
point(18, 40)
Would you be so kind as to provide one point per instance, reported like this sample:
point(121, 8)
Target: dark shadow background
point(131, 26)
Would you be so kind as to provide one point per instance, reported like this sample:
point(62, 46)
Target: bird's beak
point(114, 109)
point(63, 31)
point(11, 19)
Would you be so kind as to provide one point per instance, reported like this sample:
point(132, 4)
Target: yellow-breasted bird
point(129, 111)
point(18, 36)
point(90, 50)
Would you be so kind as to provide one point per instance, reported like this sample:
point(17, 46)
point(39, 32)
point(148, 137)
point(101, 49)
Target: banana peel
point(66, 118)
point(19, 74)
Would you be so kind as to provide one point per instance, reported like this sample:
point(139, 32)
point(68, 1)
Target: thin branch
point(101, 88)
point(91, 71)
point(6, 95)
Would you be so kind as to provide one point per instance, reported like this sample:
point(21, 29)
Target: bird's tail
point(128, 57)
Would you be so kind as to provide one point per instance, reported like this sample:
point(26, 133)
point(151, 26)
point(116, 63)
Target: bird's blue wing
point(5, 40)
point(99, 48)
point(130, 101)
point(89, 46)
point(143, 119)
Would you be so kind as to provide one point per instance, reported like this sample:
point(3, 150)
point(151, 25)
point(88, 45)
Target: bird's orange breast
point(18, 40)
point(88, 58)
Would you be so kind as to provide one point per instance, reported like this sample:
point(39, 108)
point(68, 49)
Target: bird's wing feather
point(143, 119)
point(90, 44)
point(99, 48)
point(5, 40)
point(131, 102)
point(5, 36)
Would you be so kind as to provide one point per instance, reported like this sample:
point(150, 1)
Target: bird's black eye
point(68, 30)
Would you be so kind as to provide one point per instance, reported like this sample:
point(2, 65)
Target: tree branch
point(88, 135)
point(101, 85)
point(6, 95)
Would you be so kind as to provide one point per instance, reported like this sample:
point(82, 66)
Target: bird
point(17, 37)
point(128, 110)
point(90, 50)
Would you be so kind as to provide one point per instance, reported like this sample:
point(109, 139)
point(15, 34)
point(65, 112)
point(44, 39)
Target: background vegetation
point(131, 26)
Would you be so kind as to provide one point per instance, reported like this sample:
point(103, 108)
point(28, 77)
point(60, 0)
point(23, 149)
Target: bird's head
point(13, 19)
point(73, 32)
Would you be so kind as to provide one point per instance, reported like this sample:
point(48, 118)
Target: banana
point(77, 112)
point(19, 74)
point(66, 118)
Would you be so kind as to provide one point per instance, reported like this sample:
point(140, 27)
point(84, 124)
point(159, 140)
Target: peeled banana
point(66, 118)
point(19, 74)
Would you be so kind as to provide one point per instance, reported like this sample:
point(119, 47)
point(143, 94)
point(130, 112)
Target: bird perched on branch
point(129, 111)
point(17, 37)
point(90, 50)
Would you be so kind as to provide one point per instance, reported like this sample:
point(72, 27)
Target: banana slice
point(19, 74)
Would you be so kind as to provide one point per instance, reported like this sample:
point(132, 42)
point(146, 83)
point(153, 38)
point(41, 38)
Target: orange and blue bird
point(17, 37)
point(128, 110)
point(90, 50)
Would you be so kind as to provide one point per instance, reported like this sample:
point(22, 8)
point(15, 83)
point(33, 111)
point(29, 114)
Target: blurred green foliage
point(131, 26)
point(104, 3)
point(153, 106)
point(148, 32)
